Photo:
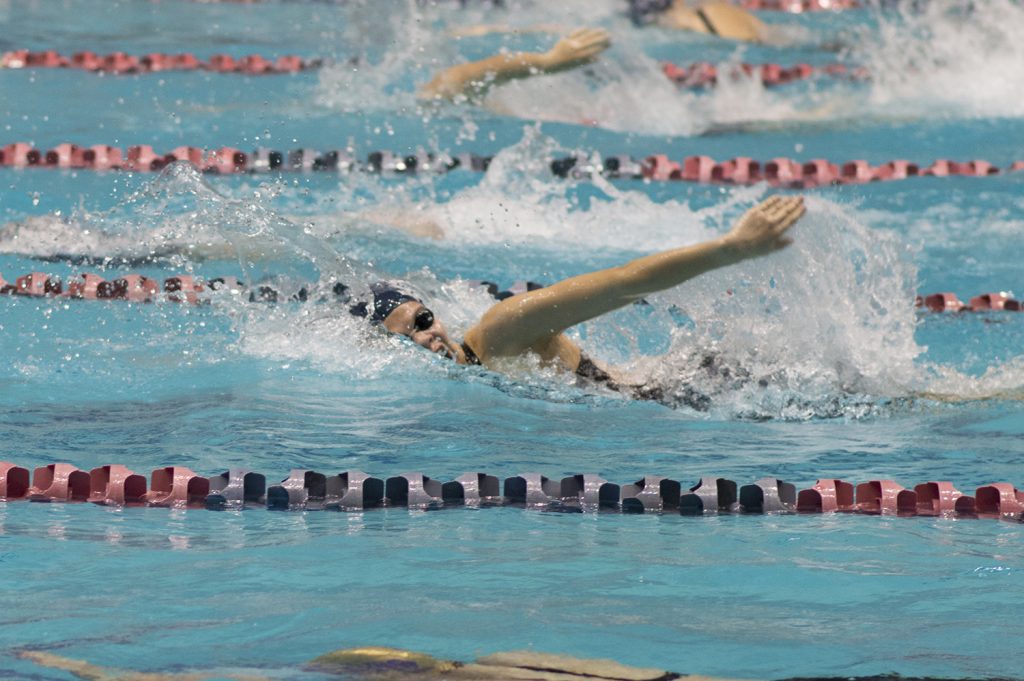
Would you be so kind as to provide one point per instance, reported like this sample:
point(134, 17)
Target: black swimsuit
point(588, 370)
point(471, 357)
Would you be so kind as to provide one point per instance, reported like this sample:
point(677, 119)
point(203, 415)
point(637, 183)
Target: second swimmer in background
point(715, 18)
point(711, 17)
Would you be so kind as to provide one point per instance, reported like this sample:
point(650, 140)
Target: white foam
point(946, 59)
point(828, 324)
point(825, 328)
point(625, 90)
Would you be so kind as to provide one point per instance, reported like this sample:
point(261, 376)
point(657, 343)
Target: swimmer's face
point(414, 320)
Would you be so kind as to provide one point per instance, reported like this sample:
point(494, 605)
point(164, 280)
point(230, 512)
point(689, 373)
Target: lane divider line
point(119, 63)
point(310, 490)
point(189, 289)
point(779, 172)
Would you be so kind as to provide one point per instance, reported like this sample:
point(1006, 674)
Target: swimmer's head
point(386, 298)
point(405, 314)
point(646, 11)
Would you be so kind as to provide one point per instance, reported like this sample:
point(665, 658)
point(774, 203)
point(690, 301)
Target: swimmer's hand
point(762, 229)
point(579, 47)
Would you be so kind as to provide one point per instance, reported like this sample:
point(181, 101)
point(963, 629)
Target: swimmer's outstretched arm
point(475, 78)
point(533, 321)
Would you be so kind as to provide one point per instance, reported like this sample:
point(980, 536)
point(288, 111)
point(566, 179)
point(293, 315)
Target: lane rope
point(705, 74)
point(696, 75)
point(309, 490)
point(780, 171)
point(191, 289)
point(120, 63)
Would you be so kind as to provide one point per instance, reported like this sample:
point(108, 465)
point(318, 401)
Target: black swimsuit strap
point(707, 22)
point(471, 358)
point(587, 369)
point(590, 371)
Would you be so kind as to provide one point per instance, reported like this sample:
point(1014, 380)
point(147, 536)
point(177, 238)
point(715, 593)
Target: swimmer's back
point(719, 18)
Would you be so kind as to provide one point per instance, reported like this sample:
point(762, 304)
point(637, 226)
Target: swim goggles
point(423, 320)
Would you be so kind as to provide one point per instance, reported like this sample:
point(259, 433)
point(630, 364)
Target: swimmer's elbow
point(628, 283)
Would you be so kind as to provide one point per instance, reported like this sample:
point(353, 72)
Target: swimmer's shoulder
point(734, 22)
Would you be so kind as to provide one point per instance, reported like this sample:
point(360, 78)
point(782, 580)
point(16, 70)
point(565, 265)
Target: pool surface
point(833, 371)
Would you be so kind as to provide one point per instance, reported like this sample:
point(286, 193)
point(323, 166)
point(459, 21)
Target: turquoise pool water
point(272, 388)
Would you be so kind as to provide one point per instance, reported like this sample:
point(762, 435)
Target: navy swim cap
point(644, 11)
point(386, 297)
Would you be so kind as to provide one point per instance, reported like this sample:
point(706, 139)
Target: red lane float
point(885, 497)
point(826, 496)
point(59, 482)
point(308, 490)
point(949, 302)
point(116, 485)
point(936, 498)
point(177, 486)
point(120, 63)
point(14, 481)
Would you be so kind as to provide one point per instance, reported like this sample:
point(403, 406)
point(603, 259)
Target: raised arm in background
point(474, 79)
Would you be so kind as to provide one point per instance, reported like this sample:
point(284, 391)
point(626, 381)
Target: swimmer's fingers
point(582, 45)
point(596, 40)
point(762, 228)
point(588, 43)
point(769, 203)
point(785, 216)
point(786, 213)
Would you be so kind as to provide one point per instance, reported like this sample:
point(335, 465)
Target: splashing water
point(817, 330)
point(946, 58)
point(925, 60)
point(823, 329)
point(625, 90)
point(178, 218)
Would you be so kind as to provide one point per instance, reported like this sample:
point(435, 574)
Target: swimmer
point(535, 321)
point(91, 672)
point(712, 17)
point(472, 80)
point(374, 663)
point(379, 663)
point(715, 18)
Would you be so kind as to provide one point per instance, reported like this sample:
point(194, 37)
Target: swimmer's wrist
point(542, 61)
point(729, 252)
